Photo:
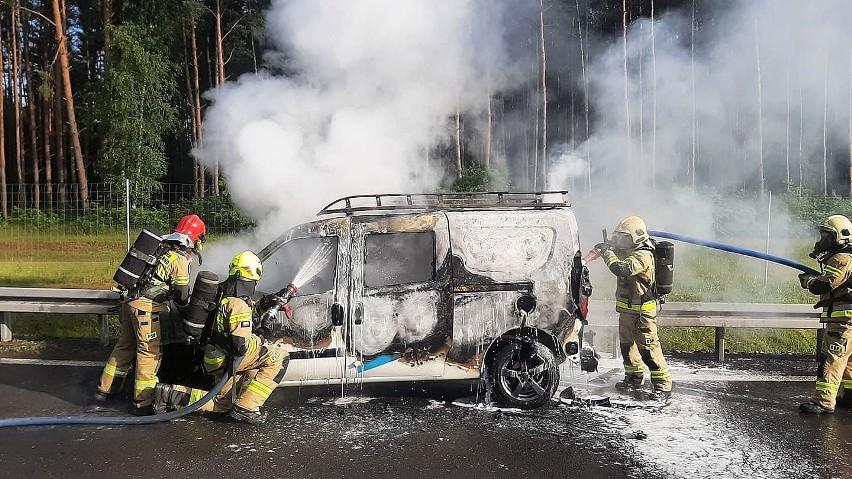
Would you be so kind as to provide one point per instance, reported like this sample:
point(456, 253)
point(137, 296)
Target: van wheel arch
point(511, 357)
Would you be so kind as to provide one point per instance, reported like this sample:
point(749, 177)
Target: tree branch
point(233, 27)
point(39, 14)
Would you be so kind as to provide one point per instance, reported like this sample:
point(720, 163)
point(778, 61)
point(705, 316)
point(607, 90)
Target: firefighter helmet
point(193, 227)
point(634, 227)
point(839, 227)
point(247, 266)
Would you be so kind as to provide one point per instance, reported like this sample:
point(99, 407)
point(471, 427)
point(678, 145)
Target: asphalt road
point(739, 420)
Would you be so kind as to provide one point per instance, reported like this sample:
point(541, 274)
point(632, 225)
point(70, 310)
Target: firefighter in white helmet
point(834, 287)
point(262, 366)
point(629, 255)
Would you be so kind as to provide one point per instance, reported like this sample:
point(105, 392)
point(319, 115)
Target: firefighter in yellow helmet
point(834, 287)
point(629, 255)
point(262, 366)
point(139, 340)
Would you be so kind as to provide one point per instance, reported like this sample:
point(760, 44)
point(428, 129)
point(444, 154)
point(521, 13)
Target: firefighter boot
point(814, 408)
point(628, 385)
point(245, 415)
point(659, 395)
point(167, 398)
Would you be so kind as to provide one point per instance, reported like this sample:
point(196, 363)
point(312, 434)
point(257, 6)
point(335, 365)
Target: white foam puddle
point(695, 435)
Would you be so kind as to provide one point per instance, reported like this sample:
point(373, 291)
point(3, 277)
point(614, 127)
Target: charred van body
point(427, 287)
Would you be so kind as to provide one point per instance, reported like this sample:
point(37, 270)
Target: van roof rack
point(448, 201)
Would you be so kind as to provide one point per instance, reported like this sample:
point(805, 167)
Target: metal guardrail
point(65, 301)
point(601, 313)
point(719, 316)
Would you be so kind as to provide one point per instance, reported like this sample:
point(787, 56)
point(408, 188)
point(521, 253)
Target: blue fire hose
point(737, 250)
point(134, 420)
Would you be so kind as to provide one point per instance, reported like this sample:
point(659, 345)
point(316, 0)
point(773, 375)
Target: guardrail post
point(720, 344)
point(5, 329)
point(103, 329)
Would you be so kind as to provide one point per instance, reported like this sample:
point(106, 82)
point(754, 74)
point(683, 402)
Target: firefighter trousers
point(256, 377)
point(640, 347)
point(139, 342)
point(835, 368)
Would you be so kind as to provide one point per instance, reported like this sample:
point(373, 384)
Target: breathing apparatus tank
point(201, 303)
point(664, 267)
point(139, 262)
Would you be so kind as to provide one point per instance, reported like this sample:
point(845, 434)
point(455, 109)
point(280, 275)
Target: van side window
point(316, 258)
point(399, 258)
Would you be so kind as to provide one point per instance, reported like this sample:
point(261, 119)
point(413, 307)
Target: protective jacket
point(169, 280)
point(835, 288)
point(231, 334)
point(635, 273)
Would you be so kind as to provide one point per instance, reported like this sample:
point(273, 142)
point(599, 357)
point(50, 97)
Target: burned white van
point(434, 287)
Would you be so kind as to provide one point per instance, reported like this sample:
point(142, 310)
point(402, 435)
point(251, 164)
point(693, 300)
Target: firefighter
point(630, 256)
point(262, 366)
point(139, 340)
point(833, 251)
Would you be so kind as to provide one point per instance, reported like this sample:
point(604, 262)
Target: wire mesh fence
point(43, 224)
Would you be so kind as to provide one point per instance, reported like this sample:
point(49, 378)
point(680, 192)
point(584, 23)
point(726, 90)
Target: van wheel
point(524, 375)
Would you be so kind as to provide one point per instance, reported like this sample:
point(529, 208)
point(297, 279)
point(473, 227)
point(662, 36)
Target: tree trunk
point(825, 128)
point(47, 136)
point(787, 123)
point(543, 98)
point(801, 135)
point(16, 103)
point(69, 102)
point(197, 111)
point(489, 130)
point(653, 99)
point(458, 141)
point(106, 7)
point(4, 200)
point(220, 77)
point(32, 114)
point(626, 83)
point(693, 159)
point(759, 110)
point(190, 103)
point(585, 95)
point(61, 154)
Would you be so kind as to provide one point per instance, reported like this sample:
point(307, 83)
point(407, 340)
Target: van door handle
point(358, 314)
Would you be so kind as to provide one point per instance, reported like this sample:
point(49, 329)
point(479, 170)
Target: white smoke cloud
point(370, 87)
point(803, 74)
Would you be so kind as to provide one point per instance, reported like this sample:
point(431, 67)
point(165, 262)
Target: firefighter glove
point(602, 247)
point(805, 279)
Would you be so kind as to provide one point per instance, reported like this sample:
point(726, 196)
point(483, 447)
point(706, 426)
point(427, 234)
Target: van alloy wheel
point(524, 375)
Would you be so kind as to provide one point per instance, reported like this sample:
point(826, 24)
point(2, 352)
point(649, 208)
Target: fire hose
point(116, 421)
point(593, 254)
point(736, 250)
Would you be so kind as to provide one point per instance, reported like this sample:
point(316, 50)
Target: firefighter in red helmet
point(139, 340)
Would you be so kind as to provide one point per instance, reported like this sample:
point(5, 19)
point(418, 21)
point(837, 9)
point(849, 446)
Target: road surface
point(736, 420)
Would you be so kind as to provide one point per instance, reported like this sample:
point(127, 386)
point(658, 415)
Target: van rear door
point(401, 304)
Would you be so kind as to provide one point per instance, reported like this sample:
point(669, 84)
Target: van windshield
point(309, 262)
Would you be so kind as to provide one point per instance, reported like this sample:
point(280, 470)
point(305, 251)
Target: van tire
point(524, 374)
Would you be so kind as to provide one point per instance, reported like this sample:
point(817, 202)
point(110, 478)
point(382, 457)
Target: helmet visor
point(826, 241)
point(622, 241)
